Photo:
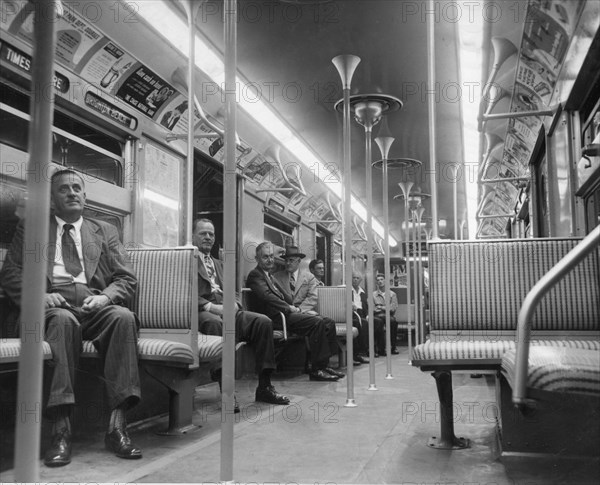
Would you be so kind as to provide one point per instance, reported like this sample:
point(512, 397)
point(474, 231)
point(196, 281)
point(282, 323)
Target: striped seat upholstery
point(558, 369)
point(477, 287)
point(10, 349)
point(332, 304)
point(210, 347)
point(150, 349)
point(166, 287)
point(488, 350)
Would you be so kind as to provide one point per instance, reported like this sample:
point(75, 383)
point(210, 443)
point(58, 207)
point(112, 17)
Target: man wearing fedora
point(273, 299)
point(302, 285)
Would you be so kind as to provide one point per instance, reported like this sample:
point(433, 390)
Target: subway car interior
point(448, 148)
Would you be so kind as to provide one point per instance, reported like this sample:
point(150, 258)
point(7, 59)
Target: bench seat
point(474, 353)
point(476, 291)
point(10, 349)
point(558, 369)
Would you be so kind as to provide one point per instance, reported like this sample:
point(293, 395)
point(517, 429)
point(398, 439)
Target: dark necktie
point(292, 282)
point(69, 252)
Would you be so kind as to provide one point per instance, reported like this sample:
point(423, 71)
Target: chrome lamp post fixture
point(384, 141)
point(346, 65)
point(368, 110)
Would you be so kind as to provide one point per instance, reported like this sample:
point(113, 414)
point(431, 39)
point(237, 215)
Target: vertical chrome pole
point(229, 242)
point(384, 143)
point(370, 279)
point(455, 199)
point(406, 186)
point(421, 323)
point(386, 258)
point(431, 109)
point(415, 277)
point(37, 212)
point(346, 65)
point(191, 10)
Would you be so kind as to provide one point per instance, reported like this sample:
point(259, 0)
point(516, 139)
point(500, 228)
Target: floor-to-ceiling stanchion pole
point(346, 65)
point(419, 213)
point(431, 105)
point(37, 215)
point(384, 142)
point(406, 186)
point(413, 221)
point(230, 224)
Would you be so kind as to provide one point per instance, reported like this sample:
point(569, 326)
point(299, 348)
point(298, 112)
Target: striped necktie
point(292, 282)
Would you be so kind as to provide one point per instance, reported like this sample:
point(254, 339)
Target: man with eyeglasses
point(268, 297)
point(254, 328)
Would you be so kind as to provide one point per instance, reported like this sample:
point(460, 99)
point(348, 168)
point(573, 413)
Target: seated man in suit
point(361, 306)
point(269, 298)
point(88, 282)
point(250, 327)
point(379, 311)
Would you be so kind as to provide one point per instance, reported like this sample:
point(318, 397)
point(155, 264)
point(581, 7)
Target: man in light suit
point(250, 327)
point(88, 282)
point(302, 286)
point(269, 298)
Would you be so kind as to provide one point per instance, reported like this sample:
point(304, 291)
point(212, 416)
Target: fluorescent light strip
point(167, 22)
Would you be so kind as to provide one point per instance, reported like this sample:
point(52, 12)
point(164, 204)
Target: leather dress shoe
point(321, 375)
point(334, 372)
point(361, 359)
point(236, 406)
point(269, 395)
point(119, 443)
point(356, 361)
point(395, 351)
point(59, 453)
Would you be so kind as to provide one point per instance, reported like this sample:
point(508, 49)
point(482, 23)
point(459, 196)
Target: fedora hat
point(292, 252)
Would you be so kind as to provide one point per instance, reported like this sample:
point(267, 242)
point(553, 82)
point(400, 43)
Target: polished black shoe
point(236, 406)
point(361, 359)
point(334, 372)
point(59, 453)
point(269, 395)
point(321, 375)
point(119, 443)
point(356, 362)
point(395, 351)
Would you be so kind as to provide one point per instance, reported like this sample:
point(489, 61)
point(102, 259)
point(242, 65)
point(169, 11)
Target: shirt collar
point(77, 224)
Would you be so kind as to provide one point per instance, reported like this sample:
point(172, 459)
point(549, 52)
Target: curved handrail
point(556, 273)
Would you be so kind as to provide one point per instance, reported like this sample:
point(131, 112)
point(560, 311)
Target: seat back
point(480, 286)
point(331, 302)
point(166, 301)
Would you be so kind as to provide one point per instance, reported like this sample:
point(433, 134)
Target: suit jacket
point(305, 295)
point(104, 261)
point(205, 293)
point(266, 296)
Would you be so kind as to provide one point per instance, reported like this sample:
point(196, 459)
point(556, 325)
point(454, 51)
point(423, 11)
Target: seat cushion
point(340, 330)
point(10, 349)
point(210, 347)
point(488, 350)
point(558, 369)
point(154, 350)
